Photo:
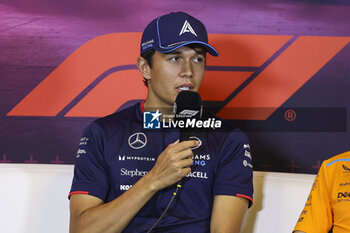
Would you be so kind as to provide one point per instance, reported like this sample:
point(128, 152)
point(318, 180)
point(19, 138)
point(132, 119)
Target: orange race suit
point(328, 204)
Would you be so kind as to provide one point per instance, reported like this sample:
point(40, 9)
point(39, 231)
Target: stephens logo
point(132, 173)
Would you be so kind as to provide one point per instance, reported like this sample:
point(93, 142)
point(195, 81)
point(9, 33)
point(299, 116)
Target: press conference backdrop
point(282, 74)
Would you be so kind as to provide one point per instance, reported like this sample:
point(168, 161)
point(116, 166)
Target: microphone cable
point(178, 186)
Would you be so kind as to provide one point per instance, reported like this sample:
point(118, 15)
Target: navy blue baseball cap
point(172, 31)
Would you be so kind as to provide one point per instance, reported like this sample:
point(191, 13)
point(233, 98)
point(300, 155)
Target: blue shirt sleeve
point(90, 176)
point(235, 170)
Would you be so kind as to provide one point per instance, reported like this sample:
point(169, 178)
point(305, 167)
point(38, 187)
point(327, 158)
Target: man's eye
point(174, 59)
point(198, 59)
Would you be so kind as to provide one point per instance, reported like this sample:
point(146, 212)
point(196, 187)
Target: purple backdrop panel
point(37, 36)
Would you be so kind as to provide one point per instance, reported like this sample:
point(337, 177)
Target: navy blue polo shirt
point(115, 152)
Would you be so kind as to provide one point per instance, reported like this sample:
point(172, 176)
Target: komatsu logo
point(125, 187)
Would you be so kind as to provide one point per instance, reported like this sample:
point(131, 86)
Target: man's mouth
point(185, 88)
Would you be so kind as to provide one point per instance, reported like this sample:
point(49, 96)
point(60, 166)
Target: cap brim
point(211, 50)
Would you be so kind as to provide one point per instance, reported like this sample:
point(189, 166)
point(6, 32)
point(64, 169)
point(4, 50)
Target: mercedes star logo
point(137, 140)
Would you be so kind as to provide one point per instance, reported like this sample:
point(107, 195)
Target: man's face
point(182, 69)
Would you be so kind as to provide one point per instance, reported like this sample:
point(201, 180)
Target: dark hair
point(148, 56)
point(195, 47)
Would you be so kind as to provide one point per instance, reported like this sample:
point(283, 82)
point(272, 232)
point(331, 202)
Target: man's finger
point(184, 145)
point(185, 154)
point(185, 163)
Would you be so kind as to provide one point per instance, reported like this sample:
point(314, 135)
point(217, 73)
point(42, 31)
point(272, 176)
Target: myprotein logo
point(135, 158)
point(75, 87)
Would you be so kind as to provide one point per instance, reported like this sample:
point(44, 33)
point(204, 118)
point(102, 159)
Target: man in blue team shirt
point(125, 175)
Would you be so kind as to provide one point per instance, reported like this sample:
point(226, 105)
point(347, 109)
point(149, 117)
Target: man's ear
point(144, 68)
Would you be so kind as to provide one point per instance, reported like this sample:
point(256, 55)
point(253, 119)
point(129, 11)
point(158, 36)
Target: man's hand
point(172, 164)
point(90, 214)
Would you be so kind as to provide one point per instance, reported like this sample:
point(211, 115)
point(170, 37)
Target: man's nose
point(186, 70)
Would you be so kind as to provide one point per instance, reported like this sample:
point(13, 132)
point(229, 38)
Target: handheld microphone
point(187, 106)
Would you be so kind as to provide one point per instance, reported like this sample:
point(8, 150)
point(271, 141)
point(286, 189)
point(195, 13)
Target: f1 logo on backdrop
point(252, 72)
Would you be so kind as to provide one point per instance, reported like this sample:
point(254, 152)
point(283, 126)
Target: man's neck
point(166, 110)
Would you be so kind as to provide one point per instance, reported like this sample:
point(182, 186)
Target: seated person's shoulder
point(344, 158)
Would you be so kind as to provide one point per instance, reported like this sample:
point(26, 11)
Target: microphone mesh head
point(188, 104)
